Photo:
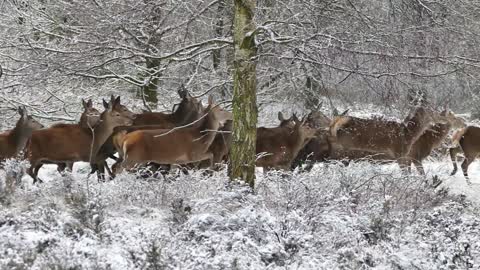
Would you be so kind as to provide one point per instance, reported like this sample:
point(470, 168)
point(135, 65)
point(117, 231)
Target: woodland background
point(379, 52)
point(372, 55)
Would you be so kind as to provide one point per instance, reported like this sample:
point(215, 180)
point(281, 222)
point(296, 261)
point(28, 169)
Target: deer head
point(221, 115)
point(304, 130)
point(289, 123)
point(26, 121)
point(116, 114)
point(90, 116)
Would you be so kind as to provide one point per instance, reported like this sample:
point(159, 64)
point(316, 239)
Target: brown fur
point(187, 111)
point(12, 142)
point(387, 137)
point(469, 141)
point(189, 105)
point(70, 143)
point(166, 146)
point(430, 139)
point(281, 144)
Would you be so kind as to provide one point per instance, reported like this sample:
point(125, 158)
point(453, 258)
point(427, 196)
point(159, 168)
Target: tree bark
point(218, 29)
point(149, 91)
point(242, 152)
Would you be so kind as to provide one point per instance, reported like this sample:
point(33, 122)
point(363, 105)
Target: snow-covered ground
point(363, 216)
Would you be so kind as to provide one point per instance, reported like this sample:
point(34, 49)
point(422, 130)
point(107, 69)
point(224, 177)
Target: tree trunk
point(218, 29)
point(242, 152)
point(149, 91)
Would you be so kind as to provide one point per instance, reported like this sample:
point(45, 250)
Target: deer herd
point(199, 136)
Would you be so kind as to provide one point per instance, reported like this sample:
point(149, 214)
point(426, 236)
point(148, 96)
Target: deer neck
point(297, 140)
point(180, 114)
point(19, 137)
point(413, 129)
point(100, 134)
point(207, 131)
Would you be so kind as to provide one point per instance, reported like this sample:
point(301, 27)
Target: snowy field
point(362, 216)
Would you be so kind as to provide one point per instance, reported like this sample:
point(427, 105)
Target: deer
point(12, 142)
point(88, 120)
point(320, 149)
point(180, 145)
point(432, 138)
point(467, 140)
point(54, 145)
point(389, 138)
point(187, 111)
point(282, 144)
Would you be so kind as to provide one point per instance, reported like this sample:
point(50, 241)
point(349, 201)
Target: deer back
point(187, 111)
point(178, 146)
point(12, 142)
point(430, 139)
point(282, 144)
point(379, 136)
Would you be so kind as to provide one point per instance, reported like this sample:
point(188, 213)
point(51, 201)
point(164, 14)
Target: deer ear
point(84, 104)
point(295, 118)
point(335, 112)
point(106, 105)
point(182, 93)
point(21, 111)
point(89, 103)
point(280, 116)
point(345, 112)
point(117, 101)
point(210, 100)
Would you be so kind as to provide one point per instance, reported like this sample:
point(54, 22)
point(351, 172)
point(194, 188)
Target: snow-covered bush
point(362, 216)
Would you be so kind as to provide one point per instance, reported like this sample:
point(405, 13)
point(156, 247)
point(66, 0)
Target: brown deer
point(88, 120)
point(279, 146)
point(171, 146)
point(320, 149)
point(379, 136)
point(187, 109)
point(432, 138)
point(72, 142)
point(220, 146)
point(13, 141)
point(468, 140)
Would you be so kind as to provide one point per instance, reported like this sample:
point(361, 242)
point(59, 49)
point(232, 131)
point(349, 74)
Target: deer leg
point(124, 165)
point(454, 151)
point(404, 164)
point(469, 158)
point(33, 172)
point(64, 165)
point(418, 164)
point(100, 171)
point(61, 167)
point(116, 167)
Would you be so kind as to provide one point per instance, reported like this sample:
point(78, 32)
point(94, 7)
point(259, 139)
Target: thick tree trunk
point(242, 152)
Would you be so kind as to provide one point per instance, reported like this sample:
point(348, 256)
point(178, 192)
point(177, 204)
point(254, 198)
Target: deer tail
point(458, 135)
point(337, 123)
